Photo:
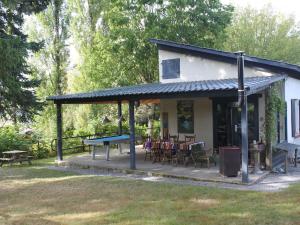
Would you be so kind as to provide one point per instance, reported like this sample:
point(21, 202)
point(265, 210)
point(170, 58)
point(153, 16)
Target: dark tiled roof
point(204, 88)
point(293, 70)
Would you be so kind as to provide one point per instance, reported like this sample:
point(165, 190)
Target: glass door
point(227, 122)
point(235, 123)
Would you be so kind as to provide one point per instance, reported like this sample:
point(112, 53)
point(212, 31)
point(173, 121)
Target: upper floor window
point(295, 117)
point(170, 68)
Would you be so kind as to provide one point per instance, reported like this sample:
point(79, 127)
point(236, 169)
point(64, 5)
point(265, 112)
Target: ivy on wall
point(274, 104)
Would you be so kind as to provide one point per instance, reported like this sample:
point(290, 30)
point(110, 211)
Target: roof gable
point(229, 57)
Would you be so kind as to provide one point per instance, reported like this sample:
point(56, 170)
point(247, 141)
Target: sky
point(286, 7)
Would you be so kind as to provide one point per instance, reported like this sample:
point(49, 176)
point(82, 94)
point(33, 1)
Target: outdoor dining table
point(15, 156)
point(176, 151)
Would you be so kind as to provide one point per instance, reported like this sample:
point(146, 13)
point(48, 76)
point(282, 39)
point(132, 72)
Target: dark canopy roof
point(279, 67)
point(204, 88)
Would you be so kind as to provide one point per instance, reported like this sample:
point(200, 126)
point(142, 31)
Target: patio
point(119, 163)
point(154, 93)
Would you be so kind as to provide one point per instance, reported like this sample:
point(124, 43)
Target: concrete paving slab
point(120, 164)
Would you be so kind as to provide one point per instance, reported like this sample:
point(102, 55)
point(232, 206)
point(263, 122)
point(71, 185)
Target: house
point(198, 91)
point(184, 63)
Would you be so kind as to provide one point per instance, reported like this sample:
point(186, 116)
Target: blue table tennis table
point(106, 141)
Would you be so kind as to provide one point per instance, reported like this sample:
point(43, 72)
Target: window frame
point(182, 110)
point(295, 117)
point(170, 73)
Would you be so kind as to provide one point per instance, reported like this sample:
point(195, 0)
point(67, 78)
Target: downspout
point(241, 87)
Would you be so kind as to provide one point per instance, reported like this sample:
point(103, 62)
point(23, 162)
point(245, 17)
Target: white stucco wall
point(203, 119)
point(194, 68)
point(292, 91)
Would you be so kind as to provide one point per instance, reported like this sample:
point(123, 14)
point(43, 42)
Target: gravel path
point(272, 183)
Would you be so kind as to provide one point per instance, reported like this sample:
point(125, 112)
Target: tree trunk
point(57, 48)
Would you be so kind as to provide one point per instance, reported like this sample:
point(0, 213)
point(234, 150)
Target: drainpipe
point(241, 89)
point(242, 102)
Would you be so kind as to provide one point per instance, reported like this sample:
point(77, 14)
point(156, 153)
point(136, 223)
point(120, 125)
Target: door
point(235, 124)
point(227, 122)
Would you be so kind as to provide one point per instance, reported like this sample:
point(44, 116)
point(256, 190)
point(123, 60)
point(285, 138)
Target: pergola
point(152, 92)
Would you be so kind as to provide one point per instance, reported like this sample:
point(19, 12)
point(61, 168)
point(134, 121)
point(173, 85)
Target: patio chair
point(199, 154)
point(168, 148)
point(183, 150)
point(148, 148)
point(189, 138)
point(156, 150)
point(180, 156)
point(174, 138)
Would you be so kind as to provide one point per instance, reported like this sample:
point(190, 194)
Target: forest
point(55, 47)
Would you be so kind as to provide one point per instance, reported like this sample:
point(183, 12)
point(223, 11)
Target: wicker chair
point(174, 138)
point(148, 148)
point(182, 151)
point(189, 138)
point(199, 154)
point(168, 148)
point(179, 156)
point(156, 150)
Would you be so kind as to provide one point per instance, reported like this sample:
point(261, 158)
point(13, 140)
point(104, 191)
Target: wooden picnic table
point(15, 156)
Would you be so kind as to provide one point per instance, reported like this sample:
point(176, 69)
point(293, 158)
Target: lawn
point(36, 195)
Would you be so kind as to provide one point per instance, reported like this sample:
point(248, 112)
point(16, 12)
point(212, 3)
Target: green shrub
point(10, 139)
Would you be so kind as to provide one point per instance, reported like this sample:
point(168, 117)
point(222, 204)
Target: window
point(170, 68)
point(185, 117)
point(295, 117)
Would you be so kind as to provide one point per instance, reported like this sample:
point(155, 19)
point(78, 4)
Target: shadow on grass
point(37, 195)
point(54, 197)
point(38, 169)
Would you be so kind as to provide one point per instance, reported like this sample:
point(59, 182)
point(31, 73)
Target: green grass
point(36, 195)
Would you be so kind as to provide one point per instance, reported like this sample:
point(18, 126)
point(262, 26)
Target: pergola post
point(120, 118)
point(59, 131)
point(132, 135)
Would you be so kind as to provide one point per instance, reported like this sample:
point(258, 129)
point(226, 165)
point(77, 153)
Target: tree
point(112, 38)
point(17, 95)
point(264, 33)
point(122, 50)
point(51, 62)
point(60, 53)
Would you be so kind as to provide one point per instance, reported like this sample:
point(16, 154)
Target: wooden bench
point(15, 156)
point(12, 160)
point(5, 160)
